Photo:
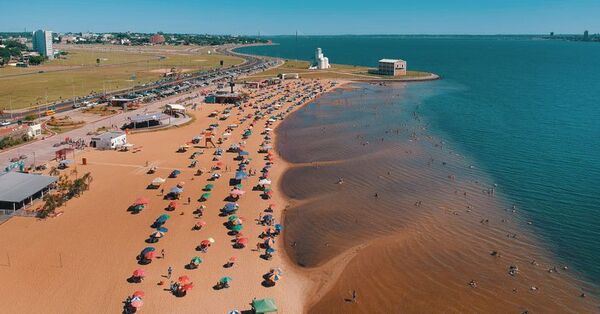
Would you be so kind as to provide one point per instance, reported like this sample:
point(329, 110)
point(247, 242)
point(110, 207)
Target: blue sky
point(272, 17)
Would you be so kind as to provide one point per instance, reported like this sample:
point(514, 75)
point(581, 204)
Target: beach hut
point(261, 306)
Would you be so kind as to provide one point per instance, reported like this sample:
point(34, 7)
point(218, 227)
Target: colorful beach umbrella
point(137, 303)
point(196, 260)
point(141, 201)
point(237, 228)
point(162, 229)
point(240, 175)
point(183, 279)
point(200, 223)
point(264, 182)
point(148, 249)
point(211, 240)
point(173, 204)
point(157, 234)
point(270, 250)
point(187, 287)
point(237, 192)
point(243, 241)
point(205, 243)
point(139, 273)
point(139, 294)
point(232, 218)
point(225, 279)
point(150, 255)
point(163, 218)
point(205, 196)
point(209, 187)
point(233, 259)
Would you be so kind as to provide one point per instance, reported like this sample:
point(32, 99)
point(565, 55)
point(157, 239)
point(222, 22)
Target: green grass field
point(337, 71)
point(78, 74)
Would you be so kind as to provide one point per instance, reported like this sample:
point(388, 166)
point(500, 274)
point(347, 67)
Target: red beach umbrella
point(139, 294)
point(200, 223)
point(219, 163)
point(137, 303)
point(233, 259)
point(140, 201)
point(173, 204)
point(139, 273)
point(150, 255)
point(187, 287)
point(243, 241)
point(205, 243)
point(183, 279)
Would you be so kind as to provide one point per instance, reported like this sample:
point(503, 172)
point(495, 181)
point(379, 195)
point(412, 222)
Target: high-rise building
point(586, 36)
point(42, 43)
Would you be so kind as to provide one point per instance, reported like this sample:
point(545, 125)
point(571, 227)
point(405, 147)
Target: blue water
point(527, 111)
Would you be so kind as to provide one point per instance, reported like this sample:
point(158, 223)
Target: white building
point(321, 62)
point(34, 130)
point(42, 43)
point(109, 140)
point(393, 67)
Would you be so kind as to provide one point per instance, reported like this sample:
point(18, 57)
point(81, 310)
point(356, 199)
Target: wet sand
point(431, 230)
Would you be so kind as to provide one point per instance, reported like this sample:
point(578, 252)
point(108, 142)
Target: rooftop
point(16, 186)
point(109, 135)
point(390, 60)
point(148, 117)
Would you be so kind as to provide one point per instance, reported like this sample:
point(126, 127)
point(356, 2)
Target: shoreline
point(325, 277)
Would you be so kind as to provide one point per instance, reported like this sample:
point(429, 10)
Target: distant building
point(586, 36)
point(157, 39)
point(34, 130)
point(109, 140)
point(42, 43)
point(393, 67)
point(321, 62)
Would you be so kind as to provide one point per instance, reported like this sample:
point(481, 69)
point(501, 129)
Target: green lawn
point(337, 71)
point(79, 75)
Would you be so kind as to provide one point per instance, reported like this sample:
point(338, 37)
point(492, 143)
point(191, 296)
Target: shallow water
point(410, 201)
point(524, 110)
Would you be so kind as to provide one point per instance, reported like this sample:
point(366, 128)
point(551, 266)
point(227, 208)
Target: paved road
point(42, 151)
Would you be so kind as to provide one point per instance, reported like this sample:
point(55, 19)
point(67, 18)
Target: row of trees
point(66, 189)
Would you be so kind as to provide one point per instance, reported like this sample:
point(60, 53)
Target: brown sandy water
point(405, 258)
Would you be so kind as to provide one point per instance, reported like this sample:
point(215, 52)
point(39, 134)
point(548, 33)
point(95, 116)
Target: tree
point(36, 60)
point(88, 179)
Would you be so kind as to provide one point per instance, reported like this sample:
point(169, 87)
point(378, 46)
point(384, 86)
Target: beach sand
point(80, 262)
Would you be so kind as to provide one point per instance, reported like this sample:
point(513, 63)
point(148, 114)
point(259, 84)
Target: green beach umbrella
point(232, 218)
point(225, 280)
point(237, 228)
point(164, 217)
point(264, 306)
point(239, 186)
point(205, 196)
point(209, 187)
point(197, 260)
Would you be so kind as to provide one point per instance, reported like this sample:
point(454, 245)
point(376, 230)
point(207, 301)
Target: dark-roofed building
point(18, 190)
point(146, 120)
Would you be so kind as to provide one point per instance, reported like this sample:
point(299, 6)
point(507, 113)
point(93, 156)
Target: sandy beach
point(81, 260)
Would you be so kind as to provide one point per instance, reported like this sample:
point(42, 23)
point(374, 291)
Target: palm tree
point(88, 179)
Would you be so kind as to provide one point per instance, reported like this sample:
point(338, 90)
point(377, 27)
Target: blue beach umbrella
point(148, 249)
point(270, 250)
point(162, 229)
point(239, 175)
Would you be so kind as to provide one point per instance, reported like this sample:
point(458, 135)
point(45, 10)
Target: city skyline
point(311, 17)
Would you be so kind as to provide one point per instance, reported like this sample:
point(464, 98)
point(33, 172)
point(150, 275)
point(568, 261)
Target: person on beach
point(354, 296)
point(162, 191)
point(208, 138)
point(162, 253)
point(169, 272)
point(189, 200)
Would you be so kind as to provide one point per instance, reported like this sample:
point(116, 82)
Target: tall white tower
point(321, 62)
